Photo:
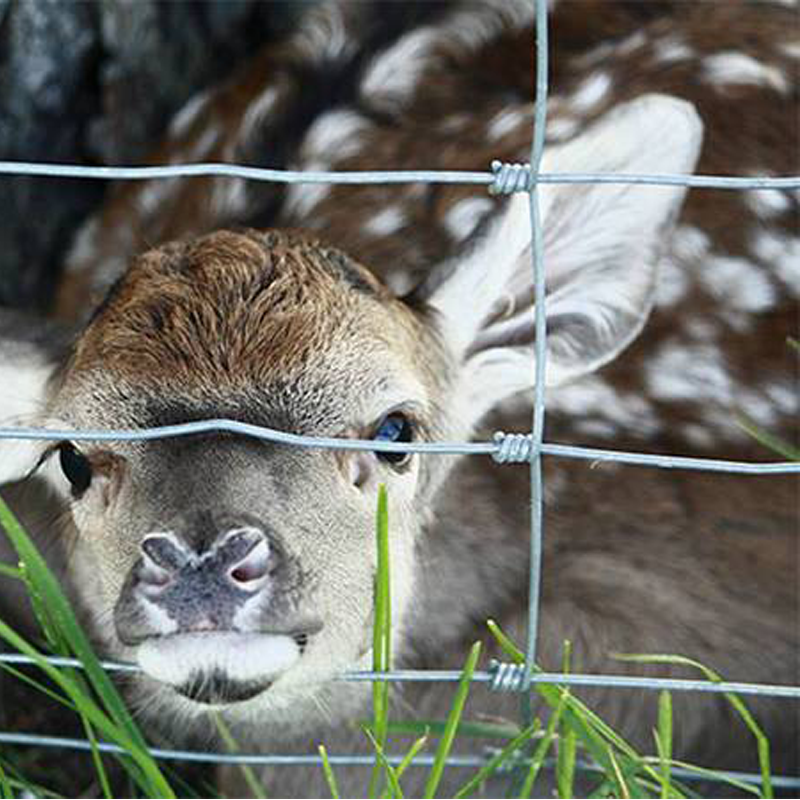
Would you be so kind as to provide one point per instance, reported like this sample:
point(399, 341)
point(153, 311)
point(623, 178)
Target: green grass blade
point(497, 761)
point(381, 640)
point(404, 764)
point(384, 579)
point(43, 616)
point(118, 724)
point(663, 736)
point(64, 620)
point(567, 742)
point(542, 749)
point(200, 787)
point(40, 687)
point(453, 718)
point(565, 762)
point(769, 440)
point(605, 789)
point(393, 784)
point(232, 746)
point(566, 658)
point(762, 743)
point(591, 730)
point(144, 770)
point(577, 714)
point(10, 571)
point(622, 786)
point(677, 790)
point(718, 776)
point(97, 759)
point(25, 789)
point(5, 784)
point(327, 770)
point(21, 787)
point(506, 645)
point(411, 755)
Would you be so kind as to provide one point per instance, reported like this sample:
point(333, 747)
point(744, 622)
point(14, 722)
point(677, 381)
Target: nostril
point(254, 566)
point(162, 557)
point(245, 573)
point(164, 551)
point(151, 575)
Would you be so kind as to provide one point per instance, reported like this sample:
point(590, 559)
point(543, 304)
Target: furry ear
point(30, 351)
point(602, 244)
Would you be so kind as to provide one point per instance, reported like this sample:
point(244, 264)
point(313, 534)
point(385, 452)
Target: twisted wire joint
point(506, 677)
point(509, 178)
point(513, 448)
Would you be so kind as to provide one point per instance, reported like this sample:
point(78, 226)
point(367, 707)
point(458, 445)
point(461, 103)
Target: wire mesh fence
point(504, 448)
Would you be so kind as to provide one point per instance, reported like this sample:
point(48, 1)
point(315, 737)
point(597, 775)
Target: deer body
point(239, 573)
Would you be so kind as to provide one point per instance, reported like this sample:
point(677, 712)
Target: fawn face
point(230, 564)
point(239, 572)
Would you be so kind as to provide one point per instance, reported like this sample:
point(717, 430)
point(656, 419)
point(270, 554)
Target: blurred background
point(96, 83)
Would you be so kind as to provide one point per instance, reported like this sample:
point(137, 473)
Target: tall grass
point(566, 739)
point(90, 693)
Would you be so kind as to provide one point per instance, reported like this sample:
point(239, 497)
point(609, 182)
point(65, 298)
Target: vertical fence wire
point(537, 431)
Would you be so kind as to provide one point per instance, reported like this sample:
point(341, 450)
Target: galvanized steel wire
point(502, 678)
point(496, 180)
point(273, 760)
point(504, 448)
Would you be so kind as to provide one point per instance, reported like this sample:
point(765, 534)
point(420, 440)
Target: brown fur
point(228, 310)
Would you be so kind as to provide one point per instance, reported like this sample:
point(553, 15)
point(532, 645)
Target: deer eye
point(394, 428)
point(76, 468)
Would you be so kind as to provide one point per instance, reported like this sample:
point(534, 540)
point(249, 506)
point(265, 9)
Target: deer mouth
point(220, 668)
point(217, 689)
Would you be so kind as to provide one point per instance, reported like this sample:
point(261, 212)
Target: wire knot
point(513, 448)
point(506, 677)
point(509, 178)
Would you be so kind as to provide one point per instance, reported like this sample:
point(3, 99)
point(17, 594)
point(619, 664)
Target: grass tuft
point(381, 643)
point(94, 696)
point(584, 741)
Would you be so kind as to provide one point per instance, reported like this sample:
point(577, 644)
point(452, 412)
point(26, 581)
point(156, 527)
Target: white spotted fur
point(723, 69)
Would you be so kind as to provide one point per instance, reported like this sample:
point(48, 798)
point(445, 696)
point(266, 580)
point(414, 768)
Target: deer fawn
point(239, 573)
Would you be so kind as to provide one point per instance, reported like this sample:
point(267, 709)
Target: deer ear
point(601, 249)
point(30, 351)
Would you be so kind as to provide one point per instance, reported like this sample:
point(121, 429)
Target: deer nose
point(242, 556)
point(218, 577)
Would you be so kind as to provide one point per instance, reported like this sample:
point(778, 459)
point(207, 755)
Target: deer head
point(239, 572)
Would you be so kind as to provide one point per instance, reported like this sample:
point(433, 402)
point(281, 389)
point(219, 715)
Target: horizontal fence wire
point(516, 447)
point(486, 676)
point(292, 760)
point(493, 448)
point(361, 177)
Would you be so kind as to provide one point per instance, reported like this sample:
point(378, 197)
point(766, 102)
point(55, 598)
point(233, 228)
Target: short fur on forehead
point(228, 309)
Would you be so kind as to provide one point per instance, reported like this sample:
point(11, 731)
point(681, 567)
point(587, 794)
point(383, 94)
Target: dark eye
point(76, 468)
point(394, 428)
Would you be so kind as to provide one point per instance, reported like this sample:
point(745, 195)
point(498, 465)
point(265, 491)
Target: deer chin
point(219, 668)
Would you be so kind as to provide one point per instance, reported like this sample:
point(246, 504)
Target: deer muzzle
point(206, 606)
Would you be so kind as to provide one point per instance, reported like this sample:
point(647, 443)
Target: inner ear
point(602, 244)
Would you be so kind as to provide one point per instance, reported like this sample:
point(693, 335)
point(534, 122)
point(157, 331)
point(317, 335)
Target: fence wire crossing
point(504, 448)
